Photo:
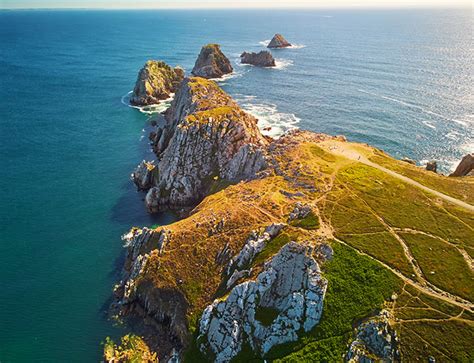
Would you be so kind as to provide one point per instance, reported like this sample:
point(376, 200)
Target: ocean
point(400, 80)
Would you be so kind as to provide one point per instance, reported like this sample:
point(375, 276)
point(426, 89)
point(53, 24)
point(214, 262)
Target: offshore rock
point(155, 82)
point(290, 288)
point(261, 59)
point(212, 63)
point(278, 41)
point(375, 338)
point(206, 138)
point(465, 167)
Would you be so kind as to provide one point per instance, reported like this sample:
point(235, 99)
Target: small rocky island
point(155, 82)
point(465, 166)
point(278, 41)
point(262, 59)
point(302, 248)
point(212, 63)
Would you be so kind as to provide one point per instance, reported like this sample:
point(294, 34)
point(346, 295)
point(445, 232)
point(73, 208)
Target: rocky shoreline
point(245, 270)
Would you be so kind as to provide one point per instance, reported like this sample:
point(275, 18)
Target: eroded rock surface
point(155, 82)
point(206, 138)
point(465, 167)
point(143, 175)
point(261, 59)
point(212, 63)
point(375, 341)
point(288, 294)
point(278, 41)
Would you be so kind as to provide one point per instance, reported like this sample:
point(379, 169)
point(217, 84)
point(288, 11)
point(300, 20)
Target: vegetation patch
point(311, 221)
point(132, 349)
point(266, 315)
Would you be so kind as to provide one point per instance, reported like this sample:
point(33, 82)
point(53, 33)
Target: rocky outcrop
point(278, 41)
point(465, 167)
point(155, 82)
point(286, 297)
point(432, 166)
point(206, 138)
point(261, 59)
point(132, 348)
point(300, 211)
point(143, 175)
point(212, 63)
point(375, 340)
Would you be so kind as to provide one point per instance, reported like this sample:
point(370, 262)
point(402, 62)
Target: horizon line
point(400, 7)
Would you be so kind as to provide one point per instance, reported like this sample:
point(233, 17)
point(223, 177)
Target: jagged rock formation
point(299, 211)
point(432, 166)
point(207, 137)
point(143, 175)
point(261, 59)
point(465, 166)
point(290, 289)
point(278, 41)
point(155, 82)
point(375, 340)
point(212, 63)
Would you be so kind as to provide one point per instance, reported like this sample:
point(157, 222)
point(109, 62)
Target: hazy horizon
point(244, 4)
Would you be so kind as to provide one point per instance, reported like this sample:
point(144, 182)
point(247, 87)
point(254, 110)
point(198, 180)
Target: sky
point(190, 4)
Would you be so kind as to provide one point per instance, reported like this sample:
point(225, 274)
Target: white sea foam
point(293, 46)
point(265, 42)
point(283, 63)
point(149, 109)
point(270, 121)
point(411, 105)
point(429, 124)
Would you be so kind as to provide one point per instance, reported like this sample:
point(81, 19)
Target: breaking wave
point(149, 109)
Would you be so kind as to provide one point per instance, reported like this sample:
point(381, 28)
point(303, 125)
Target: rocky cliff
point(278, 41)
point(207, 138)
point(465, 166)
point(212, 63)
point(261, 59)
point(155, 82)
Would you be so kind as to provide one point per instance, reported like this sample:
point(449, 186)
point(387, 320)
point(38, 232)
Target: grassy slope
point(359, 205)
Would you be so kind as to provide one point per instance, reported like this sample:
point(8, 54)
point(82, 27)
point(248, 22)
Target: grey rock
point(290, 284)
point(143, 175)
point(278, 41)
point(465, 166)
point(211, 63)
point(262, 59)
point(300, 211)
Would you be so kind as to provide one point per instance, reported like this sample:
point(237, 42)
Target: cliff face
point(155, 82)
point(261, 59)
point(278, 41)
point(212, 63)
point(206, 138)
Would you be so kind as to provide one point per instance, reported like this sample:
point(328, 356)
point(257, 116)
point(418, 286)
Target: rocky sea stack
point(212, 63)
point(261, 59)
point(278, 41)
point(465, 166)
point(155, 82)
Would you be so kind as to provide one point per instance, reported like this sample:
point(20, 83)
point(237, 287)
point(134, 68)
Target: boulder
point(432, 166)
point(278, 41)
point(375, 338)
point(212, 63)
point(465, 167)
point(261, 59)
point(207, 137)
point(287, 297)
point(155, 82)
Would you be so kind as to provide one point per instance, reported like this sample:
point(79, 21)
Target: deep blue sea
point(400, 80)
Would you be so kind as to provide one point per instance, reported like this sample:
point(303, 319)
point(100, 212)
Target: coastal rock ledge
point(465, 166)
point(212, 63)
point(278, 41)
point(156, 81)
point(261, 59)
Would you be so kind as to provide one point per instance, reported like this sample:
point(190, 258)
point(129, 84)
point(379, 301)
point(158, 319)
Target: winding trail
point(344, 149)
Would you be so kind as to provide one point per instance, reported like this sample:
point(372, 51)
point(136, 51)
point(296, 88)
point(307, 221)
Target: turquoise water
point(396, 79)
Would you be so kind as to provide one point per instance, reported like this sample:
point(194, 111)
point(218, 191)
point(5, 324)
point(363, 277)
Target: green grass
point(311, 221)
point(274, 246)
point(382, 246)
point(451, 272)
